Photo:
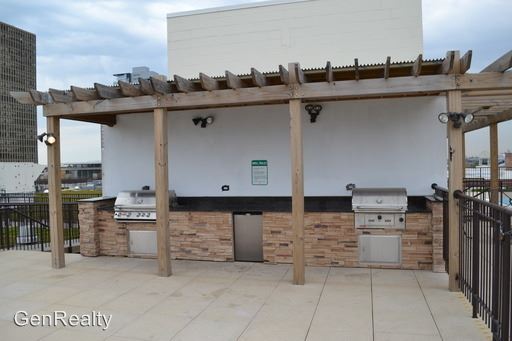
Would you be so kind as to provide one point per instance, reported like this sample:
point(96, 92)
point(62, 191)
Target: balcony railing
point(484, 251)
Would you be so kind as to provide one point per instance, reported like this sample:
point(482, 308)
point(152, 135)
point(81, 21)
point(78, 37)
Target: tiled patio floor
point(230, 301)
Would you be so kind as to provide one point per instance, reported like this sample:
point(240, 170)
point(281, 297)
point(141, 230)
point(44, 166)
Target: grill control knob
point(401, 220)
point(379, 217)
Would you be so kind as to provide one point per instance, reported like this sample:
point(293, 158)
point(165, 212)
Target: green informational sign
point(259, 172)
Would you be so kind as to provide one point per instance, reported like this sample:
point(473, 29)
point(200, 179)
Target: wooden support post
point(297, 191)
point(455, 179)
point(55, 195)
point(493, 160)
point(162, 193)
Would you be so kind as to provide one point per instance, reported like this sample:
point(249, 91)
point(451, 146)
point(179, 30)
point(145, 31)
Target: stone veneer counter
point(202, 229)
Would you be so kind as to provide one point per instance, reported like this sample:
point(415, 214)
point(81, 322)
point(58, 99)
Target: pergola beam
point(146, 87)
point(356, 69)
point(82, 94)
point(465, 62)
point(273, 94)
point(329, 75)
point(60, 96)
point(208, 83)
point(183, 84)
point(448, 63)
point(161, 87)
point(387, 67)
point(129, 90)
point(485, 121)
point(39, 98)
point(258, 79)
point(284, 75)
point(501, 64)
point(233, 81)
point(107, 92)
point(416, 67)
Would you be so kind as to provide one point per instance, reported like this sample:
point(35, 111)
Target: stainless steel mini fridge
point(248, 233)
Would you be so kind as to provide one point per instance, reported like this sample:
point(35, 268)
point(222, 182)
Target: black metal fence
point(477, 184)
point(484, 273)
point(24, 221)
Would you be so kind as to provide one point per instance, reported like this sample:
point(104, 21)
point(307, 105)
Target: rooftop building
point(18, 122)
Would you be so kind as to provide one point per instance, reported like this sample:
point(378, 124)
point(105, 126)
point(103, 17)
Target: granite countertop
point(279, 204)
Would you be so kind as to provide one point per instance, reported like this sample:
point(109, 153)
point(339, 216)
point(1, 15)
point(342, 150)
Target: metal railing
point(485, 172)
point(484, 270)
point(25, 226)
point(36, 197)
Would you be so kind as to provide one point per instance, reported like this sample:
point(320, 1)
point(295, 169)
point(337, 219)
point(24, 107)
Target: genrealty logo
point(61, 318)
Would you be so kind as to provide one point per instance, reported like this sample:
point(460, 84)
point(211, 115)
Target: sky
point(81, 42)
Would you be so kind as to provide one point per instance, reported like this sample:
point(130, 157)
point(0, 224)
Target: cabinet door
point(248, 233)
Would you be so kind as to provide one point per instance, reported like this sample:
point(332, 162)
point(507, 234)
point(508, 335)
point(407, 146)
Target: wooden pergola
point(292, 85)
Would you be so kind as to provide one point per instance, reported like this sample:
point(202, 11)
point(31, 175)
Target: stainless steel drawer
point(380, 249)
point(142, 243)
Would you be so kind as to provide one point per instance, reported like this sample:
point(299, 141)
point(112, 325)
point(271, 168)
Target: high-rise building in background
point(18, 122)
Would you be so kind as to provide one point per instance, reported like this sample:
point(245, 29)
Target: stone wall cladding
point(89, 239)
point(437, 235)
point(330, 239)
point(193, 235)
point(202, 235)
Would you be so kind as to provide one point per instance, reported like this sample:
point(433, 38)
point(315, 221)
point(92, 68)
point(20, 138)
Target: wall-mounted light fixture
point(458, 117)
point(47, 138)
point(205, 121)
point(313, 111)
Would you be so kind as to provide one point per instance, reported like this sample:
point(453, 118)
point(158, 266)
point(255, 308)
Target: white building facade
point(377, 143)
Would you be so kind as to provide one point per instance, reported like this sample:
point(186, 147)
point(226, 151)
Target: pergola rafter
point(292, 85)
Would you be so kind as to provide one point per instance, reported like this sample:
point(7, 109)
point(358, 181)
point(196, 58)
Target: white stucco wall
point(381, 142)
point(311, 32)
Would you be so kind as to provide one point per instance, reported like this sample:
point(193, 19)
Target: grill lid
point(379, 199)
point(140, 200)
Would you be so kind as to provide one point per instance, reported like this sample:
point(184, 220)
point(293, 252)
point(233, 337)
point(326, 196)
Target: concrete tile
point(20, 288)
point(9, 331)
point(90, 298)
point(325, 334)
point(134, 302)
point(183, 306)
point(154, 327)
point(51, 294)
point(212, 330)
point(220, 301)
point(9, 307)
point(405, 337)
point(72, 334)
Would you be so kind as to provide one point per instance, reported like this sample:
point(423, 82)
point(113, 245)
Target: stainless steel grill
point(138, 205)
point(379, 207)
